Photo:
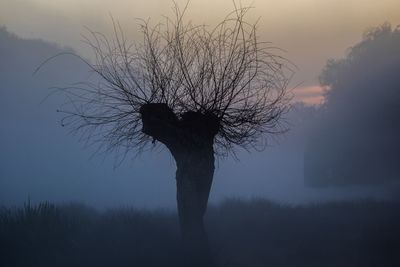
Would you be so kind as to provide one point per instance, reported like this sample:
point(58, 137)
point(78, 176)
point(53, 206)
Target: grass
point(254, 233)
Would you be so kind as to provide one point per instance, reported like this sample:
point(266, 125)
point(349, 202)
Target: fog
point(43, 161)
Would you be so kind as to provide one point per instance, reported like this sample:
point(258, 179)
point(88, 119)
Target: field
point(252, 233)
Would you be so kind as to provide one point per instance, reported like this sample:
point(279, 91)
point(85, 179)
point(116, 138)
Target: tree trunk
point(194, 175)
point(190, 139)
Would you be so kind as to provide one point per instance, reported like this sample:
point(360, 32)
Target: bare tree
point(197, 90)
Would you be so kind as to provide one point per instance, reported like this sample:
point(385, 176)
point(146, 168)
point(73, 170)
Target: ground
point(241, 233)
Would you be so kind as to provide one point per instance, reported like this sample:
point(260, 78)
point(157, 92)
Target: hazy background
point(40, 160)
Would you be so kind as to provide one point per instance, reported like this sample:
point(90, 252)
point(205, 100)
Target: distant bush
point(254, 233)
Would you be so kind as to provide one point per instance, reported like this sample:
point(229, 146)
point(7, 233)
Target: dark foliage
point(256, 233)
point(355, 140)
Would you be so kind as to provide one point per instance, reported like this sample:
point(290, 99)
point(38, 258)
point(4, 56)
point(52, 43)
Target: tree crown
point(224, 71)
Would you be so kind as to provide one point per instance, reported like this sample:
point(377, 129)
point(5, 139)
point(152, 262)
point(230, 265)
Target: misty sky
point(311, 31)
point(42, 161)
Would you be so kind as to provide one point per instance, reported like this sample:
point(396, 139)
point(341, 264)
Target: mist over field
point(42, 161)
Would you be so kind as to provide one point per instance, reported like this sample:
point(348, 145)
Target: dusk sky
point(311, 31)
point(43, 161)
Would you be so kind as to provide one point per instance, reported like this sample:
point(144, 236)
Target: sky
point(310, 31)
point(42, 161)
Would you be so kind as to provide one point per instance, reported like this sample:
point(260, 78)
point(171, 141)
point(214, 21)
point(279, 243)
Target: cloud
point(311, 95)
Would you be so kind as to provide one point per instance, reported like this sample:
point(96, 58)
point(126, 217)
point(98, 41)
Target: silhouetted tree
point(197, 90)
